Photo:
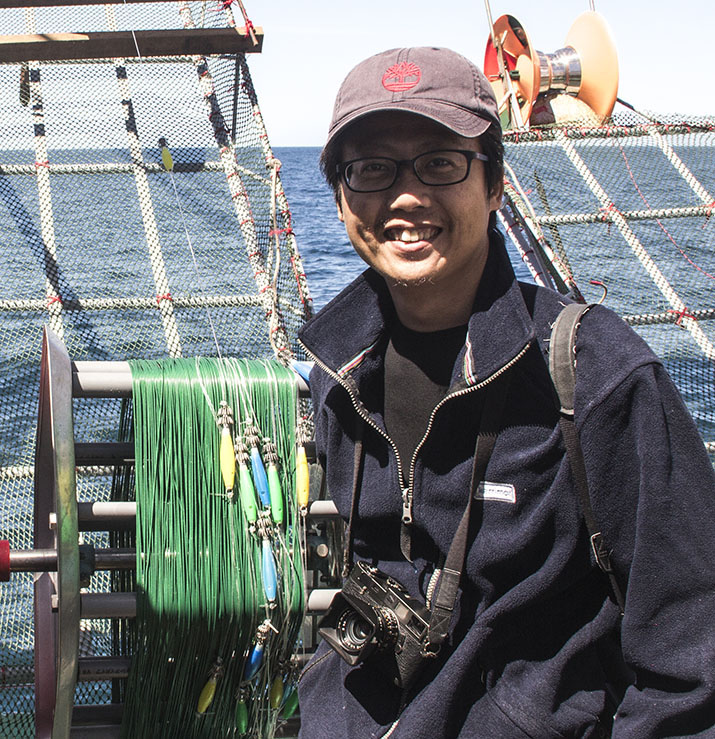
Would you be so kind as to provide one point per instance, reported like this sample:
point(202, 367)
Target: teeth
point(410, 235)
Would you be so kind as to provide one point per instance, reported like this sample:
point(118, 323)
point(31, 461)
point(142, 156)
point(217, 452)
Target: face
point(423, 239)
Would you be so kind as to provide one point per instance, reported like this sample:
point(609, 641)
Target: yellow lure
point(207, 694)
point(302, 478)
point(276, 696)
point(227, 458)
point(167, 159)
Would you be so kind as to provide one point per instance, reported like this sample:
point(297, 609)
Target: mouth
point(412, 235)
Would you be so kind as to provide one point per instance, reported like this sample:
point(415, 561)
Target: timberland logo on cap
point(401, 77)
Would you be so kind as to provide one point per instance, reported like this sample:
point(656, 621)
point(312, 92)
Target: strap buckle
point(602, 555)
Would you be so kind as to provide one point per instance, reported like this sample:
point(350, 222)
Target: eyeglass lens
point(433, 168)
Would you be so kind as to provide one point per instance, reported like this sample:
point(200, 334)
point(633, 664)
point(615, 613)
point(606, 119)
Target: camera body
point(375, 613)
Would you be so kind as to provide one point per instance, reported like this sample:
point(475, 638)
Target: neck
point(423, 308)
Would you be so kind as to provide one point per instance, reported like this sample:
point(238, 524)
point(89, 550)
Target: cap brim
point(462, 122)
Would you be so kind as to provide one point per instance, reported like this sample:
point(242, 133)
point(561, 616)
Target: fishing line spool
point(64, 566)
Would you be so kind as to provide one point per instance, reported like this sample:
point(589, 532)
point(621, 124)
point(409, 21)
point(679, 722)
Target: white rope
point(281, 201)
point(156, 257)
point(91, 304)
point(638, 249)
point(277, 335)
point(123, 168)
point(652, 319)
point(53, 302)
point(691, 211)
point(683, 171)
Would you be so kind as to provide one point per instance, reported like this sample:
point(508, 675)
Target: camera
point(374, 613)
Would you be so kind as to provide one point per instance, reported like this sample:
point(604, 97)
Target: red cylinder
point(4, 560)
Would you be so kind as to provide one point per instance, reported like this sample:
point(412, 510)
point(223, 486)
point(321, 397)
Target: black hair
point(490, 141)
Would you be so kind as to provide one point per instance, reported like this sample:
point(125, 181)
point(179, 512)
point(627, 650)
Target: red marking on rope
point(279, 231)
point(165, 296)
point(249, 27)
point(608, 209)
point(658, 221)
point(54, 299)
point(45, 163)
point(681, 314)
point(709, 208)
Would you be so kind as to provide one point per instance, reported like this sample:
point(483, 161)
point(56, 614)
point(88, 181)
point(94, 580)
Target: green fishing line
point(202, 605)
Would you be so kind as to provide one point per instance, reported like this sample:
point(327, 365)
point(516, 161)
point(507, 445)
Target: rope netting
point(626, 210)
point(142, 216)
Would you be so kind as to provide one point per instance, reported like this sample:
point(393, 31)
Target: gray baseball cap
point(436, 83)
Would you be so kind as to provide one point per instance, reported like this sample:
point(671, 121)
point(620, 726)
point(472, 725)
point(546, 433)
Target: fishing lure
point(276, 693)
point(259, 471)
point(268, 562)
point(227, 457)
point(166, 159)
point(274, 483)
point(208, 692)
point(255, 659)
point(302, 478)
point(246, 491)
point(241, 717)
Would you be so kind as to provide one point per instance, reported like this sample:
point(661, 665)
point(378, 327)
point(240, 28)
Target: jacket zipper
point(407, 493)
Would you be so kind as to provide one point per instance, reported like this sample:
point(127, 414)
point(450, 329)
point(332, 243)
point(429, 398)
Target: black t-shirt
point(418, 369)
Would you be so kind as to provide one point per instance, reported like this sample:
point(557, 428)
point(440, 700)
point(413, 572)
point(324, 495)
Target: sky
point(664, 49)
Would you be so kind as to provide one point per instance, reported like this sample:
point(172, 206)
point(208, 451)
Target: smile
point(411, 235)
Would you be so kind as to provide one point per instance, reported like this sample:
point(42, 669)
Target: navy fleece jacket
point(537, 647)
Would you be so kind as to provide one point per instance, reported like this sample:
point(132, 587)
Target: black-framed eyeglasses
point(439, 167)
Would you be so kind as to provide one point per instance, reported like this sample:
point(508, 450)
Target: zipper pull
point(406, 506)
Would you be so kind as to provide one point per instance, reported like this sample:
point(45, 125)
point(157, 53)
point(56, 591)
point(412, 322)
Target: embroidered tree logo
point(401, 77)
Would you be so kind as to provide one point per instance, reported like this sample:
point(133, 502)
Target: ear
point(339, 204)
point(496, 196)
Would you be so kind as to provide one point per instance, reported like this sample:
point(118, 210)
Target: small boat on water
point(144, 224)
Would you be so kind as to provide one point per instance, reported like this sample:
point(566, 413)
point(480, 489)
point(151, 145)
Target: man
point(430, 382)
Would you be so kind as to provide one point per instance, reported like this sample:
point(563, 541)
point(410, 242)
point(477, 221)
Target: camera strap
point(445, 597)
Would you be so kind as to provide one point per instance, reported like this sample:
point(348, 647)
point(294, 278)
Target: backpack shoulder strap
point(562, 354)
point(562, 366)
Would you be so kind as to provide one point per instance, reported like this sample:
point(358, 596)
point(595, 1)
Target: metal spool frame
point(59, 518)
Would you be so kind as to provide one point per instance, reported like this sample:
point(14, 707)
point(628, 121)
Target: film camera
point(374, 613)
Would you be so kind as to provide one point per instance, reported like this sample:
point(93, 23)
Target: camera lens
point(353, 631)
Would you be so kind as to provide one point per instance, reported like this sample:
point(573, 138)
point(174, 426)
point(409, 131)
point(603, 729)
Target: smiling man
point(473, 605)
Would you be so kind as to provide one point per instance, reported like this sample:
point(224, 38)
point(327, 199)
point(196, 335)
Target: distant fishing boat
point(143, 218)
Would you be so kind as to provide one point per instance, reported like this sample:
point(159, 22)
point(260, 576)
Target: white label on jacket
point(496, 491)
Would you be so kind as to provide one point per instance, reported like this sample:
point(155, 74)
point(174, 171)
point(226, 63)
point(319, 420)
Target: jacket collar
point(352, 327)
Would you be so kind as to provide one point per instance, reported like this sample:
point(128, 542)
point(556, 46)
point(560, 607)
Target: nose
point(408, 191)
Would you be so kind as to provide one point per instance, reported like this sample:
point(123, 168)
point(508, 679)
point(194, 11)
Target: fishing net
point(625, 210)
point(127, 248)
